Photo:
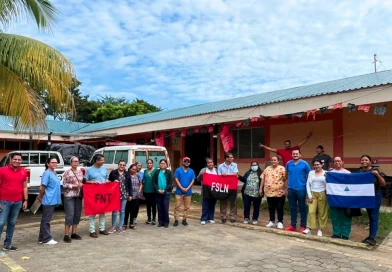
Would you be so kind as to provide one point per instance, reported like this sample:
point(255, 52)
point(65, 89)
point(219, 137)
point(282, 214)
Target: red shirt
point(11, 183)
point(286, 154)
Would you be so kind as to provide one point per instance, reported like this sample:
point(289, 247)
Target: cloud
point(176, 53)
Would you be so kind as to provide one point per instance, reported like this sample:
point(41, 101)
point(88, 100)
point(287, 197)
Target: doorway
point(197, 147)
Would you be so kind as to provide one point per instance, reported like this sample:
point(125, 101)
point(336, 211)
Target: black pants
point(44, 231)
point(151, 206)
point(276, 204)
point(163, 208)
point(131, 211)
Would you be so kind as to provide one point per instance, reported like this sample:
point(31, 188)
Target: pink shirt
point(341, 171)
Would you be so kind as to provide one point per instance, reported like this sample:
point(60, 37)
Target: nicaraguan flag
point(354, 190)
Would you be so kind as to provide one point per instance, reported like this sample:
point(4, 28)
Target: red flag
point(220, 187)
point(311, 112)
point(337, 106)
point(227, 138)
point(254, 119)
point(183, 133)
point(238, 124)
point(210, 128)
point(364, 108)
point(101, 198)
point(160, 140)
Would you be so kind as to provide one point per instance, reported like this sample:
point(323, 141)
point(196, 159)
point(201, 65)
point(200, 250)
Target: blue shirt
point(297, 174)
point(52, 195)
point(99, 174)
point(141, 174)
point(185, 179)
point(227, 169)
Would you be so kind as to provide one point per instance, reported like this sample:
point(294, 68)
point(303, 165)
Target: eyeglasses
point(53, 162)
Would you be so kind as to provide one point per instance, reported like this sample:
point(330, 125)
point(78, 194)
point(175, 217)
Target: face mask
point(254, 168)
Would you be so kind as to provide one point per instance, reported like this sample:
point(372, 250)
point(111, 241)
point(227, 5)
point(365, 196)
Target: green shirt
point(252, 185)
point(162, 183)
point(148, 187)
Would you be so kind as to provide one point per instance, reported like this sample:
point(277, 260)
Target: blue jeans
point(122, 214)
point(300, 198)
point(248, 200)
point(9, 215)
point(163, 208)
point(208, 209)
point(374, 215)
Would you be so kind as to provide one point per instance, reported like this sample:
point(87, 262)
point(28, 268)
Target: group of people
point(294, 181)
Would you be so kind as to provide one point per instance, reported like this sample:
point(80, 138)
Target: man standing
point(225, 169)
point(286, 153)
point(13, 190)
point(97, 174)
point(184, 177)
point(325, 159)
point(297, 171)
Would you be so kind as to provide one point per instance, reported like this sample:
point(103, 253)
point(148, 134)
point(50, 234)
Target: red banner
point(160, 140)
point(101, 198)
point(220, 187)
point(227, 138)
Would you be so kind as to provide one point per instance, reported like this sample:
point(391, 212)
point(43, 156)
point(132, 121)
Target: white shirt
point(315, 183)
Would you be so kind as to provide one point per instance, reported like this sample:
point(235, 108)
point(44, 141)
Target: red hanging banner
point(183, 133)
point(254, 119)
point(311, 113)
point(364, 108)
point(160, 140)
point(210, 128)
point(227, 138)
point(101, 198)
point(238, 124)
point(337, 106)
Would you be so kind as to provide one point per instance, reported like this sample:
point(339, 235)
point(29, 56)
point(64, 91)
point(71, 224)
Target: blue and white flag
point(354, 190)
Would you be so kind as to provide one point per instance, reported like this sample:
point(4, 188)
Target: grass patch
point(385, 223)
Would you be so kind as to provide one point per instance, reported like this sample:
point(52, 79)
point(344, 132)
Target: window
point(34, 158)
point(54, 155)
point(43, 157)
point(246, 143)
point(141, 156)
point(121, 156)
point(11, 145)
point(156, 156)
point(109, 156)
point(25, 158)
point(25, 146)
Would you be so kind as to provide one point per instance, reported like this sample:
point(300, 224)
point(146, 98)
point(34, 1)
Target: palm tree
point(29, 67)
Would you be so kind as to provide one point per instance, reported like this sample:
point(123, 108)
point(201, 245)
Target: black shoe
point(10, 248)
point(67, 239)
point(160, 225)
point(153, 222)
point(365, 241)
point(372, 241)
point(166, 225)
point(232, 221)
point(224, 221)
point(335, 237)
point(345, 238)
point(175, 223)
point(75, 236)
point(184, 223)
point(148, 222)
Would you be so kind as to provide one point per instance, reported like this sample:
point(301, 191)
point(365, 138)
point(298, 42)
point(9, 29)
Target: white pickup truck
point(34, 162)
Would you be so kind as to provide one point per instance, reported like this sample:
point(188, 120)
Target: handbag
point(352, 212)
point(83, 181)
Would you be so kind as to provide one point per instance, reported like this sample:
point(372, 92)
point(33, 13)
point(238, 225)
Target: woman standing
point(251, 192)
point(149, 192)
point(50, 196)
point(123, 177)
point(317, 199)
point(163, 184)
point(366, 166)
point(72, 184)
point(273, 184)
point(208, 206)
point(133, 204)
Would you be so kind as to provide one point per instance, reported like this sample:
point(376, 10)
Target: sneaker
point(112, 230)
point(153, 222)
point(132, 227)
point(254, 222)
point(40, 242)
point(270, 224)
point(371, 241)
point(75, 236)
point(290, 228)
point(135, 221)
point(335, 237)
point(121, 230)
point(345, 238)
point(212, 222)
point(232, 221)
point(51, 242)
point(66, 239)
point(246, 221)
point(10, 248)
point(319, 233)
point(175, 223)
point(93, 235)
point(166, 225)
point(160, 225)
point(306, 231)
point(184, 223)
point(203, 222)
point(302, 229)
point(280, 225)
point(103, 232)
point(365, 241)
point(148, 222)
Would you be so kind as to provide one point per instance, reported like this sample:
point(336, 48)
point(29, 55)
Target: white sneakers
point(254, 222)
point(203, 222)
point(307, 231)
point(212, 222)
point(246, 221)
point(319, 233)
point(51, 242)
point(271, 224)
point(280, 225)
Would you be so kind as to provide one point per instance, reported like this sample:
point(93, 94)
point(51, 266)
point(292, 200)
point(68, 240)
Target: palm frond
point(42, 68)
point(41, 11)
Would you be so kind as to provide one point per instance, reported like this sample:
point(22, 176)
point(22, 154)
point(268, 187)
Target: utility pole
point(375, 63)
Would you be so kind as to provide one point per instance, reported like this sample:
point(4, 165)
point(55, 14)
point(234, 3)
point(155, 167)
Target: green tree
point(28, 66)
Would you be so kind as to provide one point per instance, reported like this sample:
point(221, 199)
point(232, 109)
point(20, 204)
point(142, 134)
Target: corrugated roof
point(329, 87)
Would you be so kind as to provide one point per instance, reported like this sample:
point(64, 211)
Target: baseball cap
point(320, 147)
point(186, 159)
